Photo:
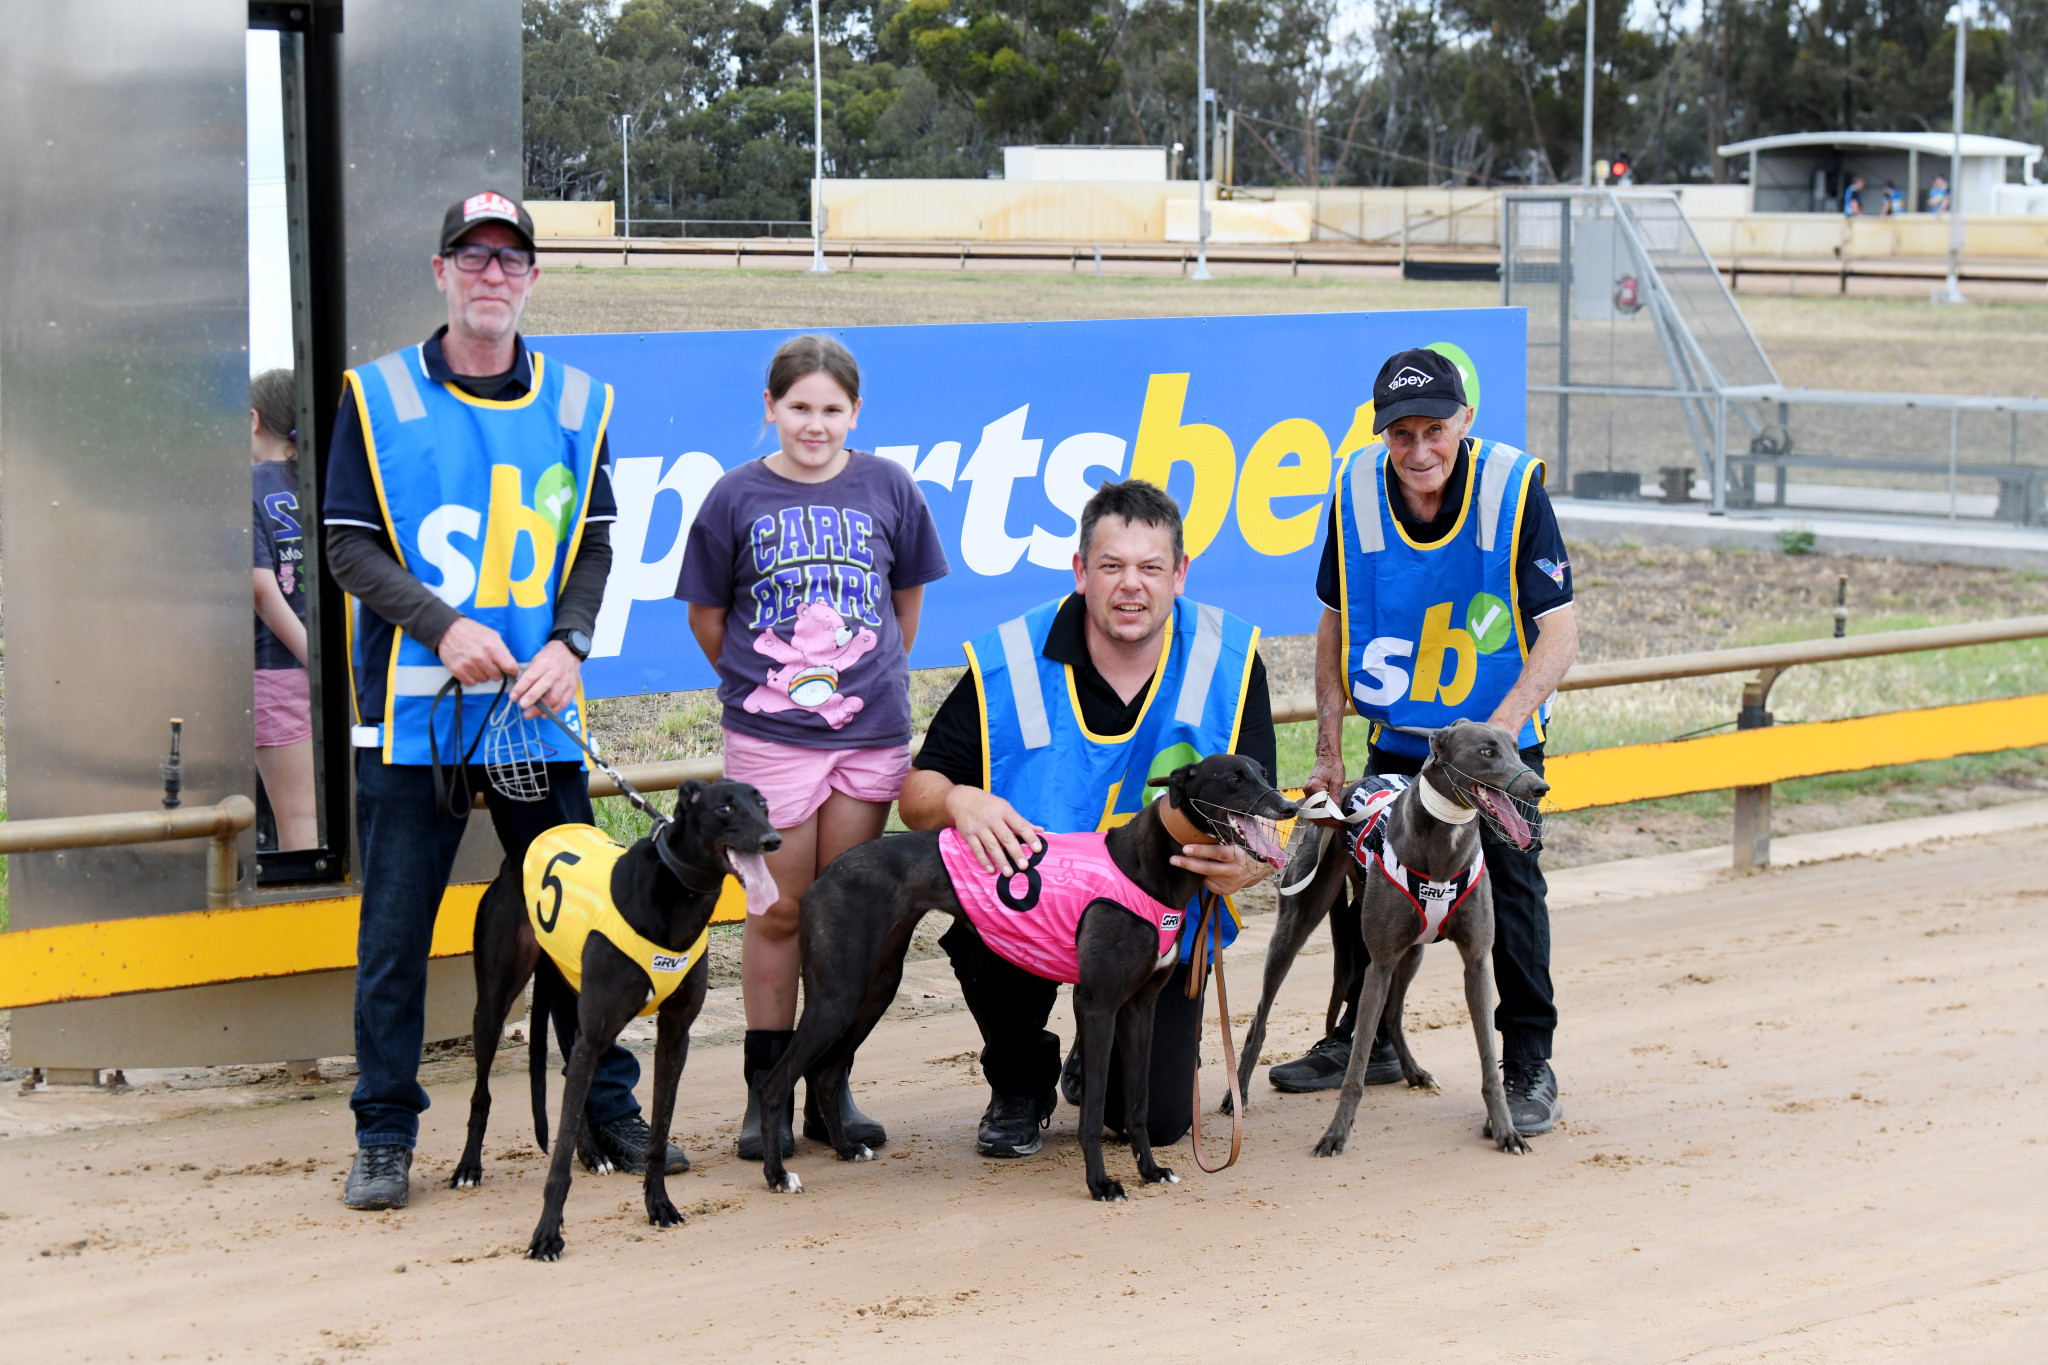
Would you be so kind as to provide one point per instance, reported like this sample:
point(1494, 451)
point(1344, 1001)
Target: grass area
point(584, 300)
point(1819, 341)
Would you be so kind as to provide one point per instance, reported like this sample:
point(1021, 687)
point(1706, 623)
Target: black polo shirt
point(952, 746)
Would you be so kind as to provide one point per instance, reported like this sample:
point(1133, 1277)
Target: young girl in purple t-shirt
point(805, 574)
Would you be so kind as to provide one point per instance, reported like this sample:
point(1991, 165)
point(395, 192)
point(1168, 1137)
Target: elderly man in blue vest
point(1446, 596)
point(1065, 713)
point(467, 511)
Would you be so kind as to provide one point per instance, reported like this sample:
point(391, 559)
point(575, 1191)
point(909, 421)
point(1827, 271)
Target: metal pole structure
point(818, 266)
point(626, 169)
point(1202, 149)
point(1953, 292)
point(1586, 136)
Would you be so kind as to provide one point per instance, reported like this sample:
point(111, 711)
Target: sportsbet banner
point(1008, 428)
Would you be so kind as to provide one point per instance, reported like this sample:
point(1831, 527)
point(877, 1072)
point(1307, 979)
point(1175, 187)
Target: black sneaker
point(623, 1143)
point(1011, 1123)
point(1532, 1097)
point(381, 1178)
point(1324, 1065)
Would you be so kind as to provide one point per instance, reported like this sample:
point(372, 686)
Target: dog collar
point(677, 870)
point(1441, 806)
point(1178, 827)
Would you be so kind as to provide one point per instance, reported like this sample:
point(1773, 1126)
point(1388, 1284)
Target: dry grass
point(1852, 343)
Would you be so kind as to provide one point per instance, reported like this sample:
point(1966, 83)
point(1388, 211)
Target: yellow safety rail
point(165, 952)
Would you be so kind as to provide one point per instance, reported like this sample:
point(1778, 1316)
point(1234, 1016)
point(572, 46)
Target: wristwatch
point(578, 642)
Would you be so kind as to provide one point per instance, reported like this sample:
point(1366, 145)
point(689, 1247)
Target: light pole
point(818, 266)
point(1953, 292)
point(1586, 136)
point(626, 168)
point(1201, 140)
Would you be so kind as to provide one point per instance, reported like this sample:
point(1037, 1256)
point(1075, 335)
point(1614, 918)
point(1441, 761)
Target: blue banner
point(1008, 428)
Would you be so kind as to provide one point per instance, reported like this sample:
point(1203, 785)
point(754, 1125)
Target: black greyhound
point(1431, 829)
point(665, 887)
point(857, 919)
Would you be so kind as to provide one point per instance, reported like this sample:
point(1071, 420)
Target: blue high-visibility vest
point(1433, 633)
point(1039, 755)
point(484, 501)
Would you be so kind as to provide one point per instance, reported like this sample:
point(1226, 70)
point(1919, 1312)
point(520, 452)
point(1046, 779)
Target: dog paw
point(545, 1246)
point(858, 1152)
point(1224, 1108)
point(466, 1178)
point(1162, 1175)
point(1514, 1143)
point(663, 1214)
point(789, 1184)
point(1110, 1192)
point(1329, 1146)
point(1422, 1080)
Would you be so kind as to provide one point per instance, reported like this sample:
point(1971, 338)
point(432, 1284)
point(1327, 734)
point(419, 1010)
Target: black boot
point(860, 1129)
point(759, 1054)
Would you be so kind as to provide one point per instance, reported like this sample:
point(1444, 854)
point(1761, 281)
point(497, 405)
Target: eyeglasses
point(515, 261)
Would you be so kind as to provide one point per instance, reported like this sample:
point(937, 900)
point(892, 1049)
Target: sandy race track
point(1806, 1123)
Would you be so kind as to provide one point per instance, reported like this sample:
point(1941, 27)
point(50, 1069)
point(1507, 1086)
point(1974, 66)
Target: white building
point(1125, 164)
point(1808, 172)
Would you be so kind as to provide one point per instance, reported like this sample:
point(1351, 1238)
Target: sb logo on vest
point(1444, 648)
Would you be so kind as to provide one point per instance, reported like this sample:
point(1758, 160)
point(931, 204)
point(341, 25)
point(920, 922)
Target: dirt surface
point(1804, 1120)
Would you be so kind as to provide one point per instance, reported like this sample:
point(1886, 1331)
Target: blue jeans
point(408, 848)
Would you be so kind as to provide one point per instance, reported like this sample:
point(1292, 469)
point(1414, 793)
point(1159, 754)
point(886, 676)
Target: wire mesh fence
point(1645, 382)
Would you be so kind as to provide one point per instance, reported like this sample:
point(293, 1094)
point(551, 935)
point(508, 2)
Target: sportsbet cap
point(486, 207)
point(1416, 384)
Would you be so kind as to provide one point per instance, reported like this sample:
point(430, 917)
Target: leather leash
point(1197, 976)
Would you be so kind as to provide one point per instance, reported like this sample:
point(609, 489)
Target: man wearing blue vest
point(1446, 596)
point(468, 513)
point(1065, 713)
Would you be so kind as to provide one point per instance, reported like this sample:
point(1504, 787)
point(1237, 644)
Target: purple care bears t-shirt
point(813, 655)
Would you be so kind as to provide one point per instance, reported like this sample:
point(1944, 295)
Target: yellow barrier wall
point(571, 217)
point(1466, 219)
point(163, 952)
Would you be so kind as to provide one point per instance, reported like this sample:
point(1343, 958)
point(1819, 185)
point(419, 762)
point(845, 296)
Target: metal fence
point(1646, 382)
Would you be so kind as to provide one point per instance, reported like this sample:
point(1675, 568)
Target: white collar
point(1441, 806)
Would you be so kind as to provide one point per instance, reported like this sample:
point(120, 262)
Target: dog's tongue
point(752, 870)
point(1258, 840)
point(1503, 810)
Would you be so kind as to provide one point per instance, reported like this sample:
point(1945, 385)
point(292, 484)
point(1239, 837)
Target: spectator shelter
point(1807, 172)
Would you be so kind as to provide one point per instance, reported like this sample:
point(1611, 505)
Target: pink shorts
point(284, 707)
point(795, 781)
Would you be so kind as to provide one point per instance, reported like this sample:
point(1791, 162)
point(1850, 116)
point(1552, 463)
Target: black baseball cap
point(1416, 384)
point(486, 206)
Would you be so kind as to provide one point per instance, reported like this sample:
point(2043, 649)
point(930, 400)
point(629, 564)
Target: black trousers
point(1020, 1056)
point(1527, 1013)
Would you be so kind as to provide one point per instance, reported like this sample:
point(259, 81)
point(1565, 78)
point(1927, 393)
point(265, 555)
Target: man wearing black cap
point(1446, 595)
point(468, 512)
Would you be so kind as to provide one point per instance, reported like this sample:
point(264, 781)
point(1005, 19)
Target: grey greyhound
point(1421, 848)
point(858, 915)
